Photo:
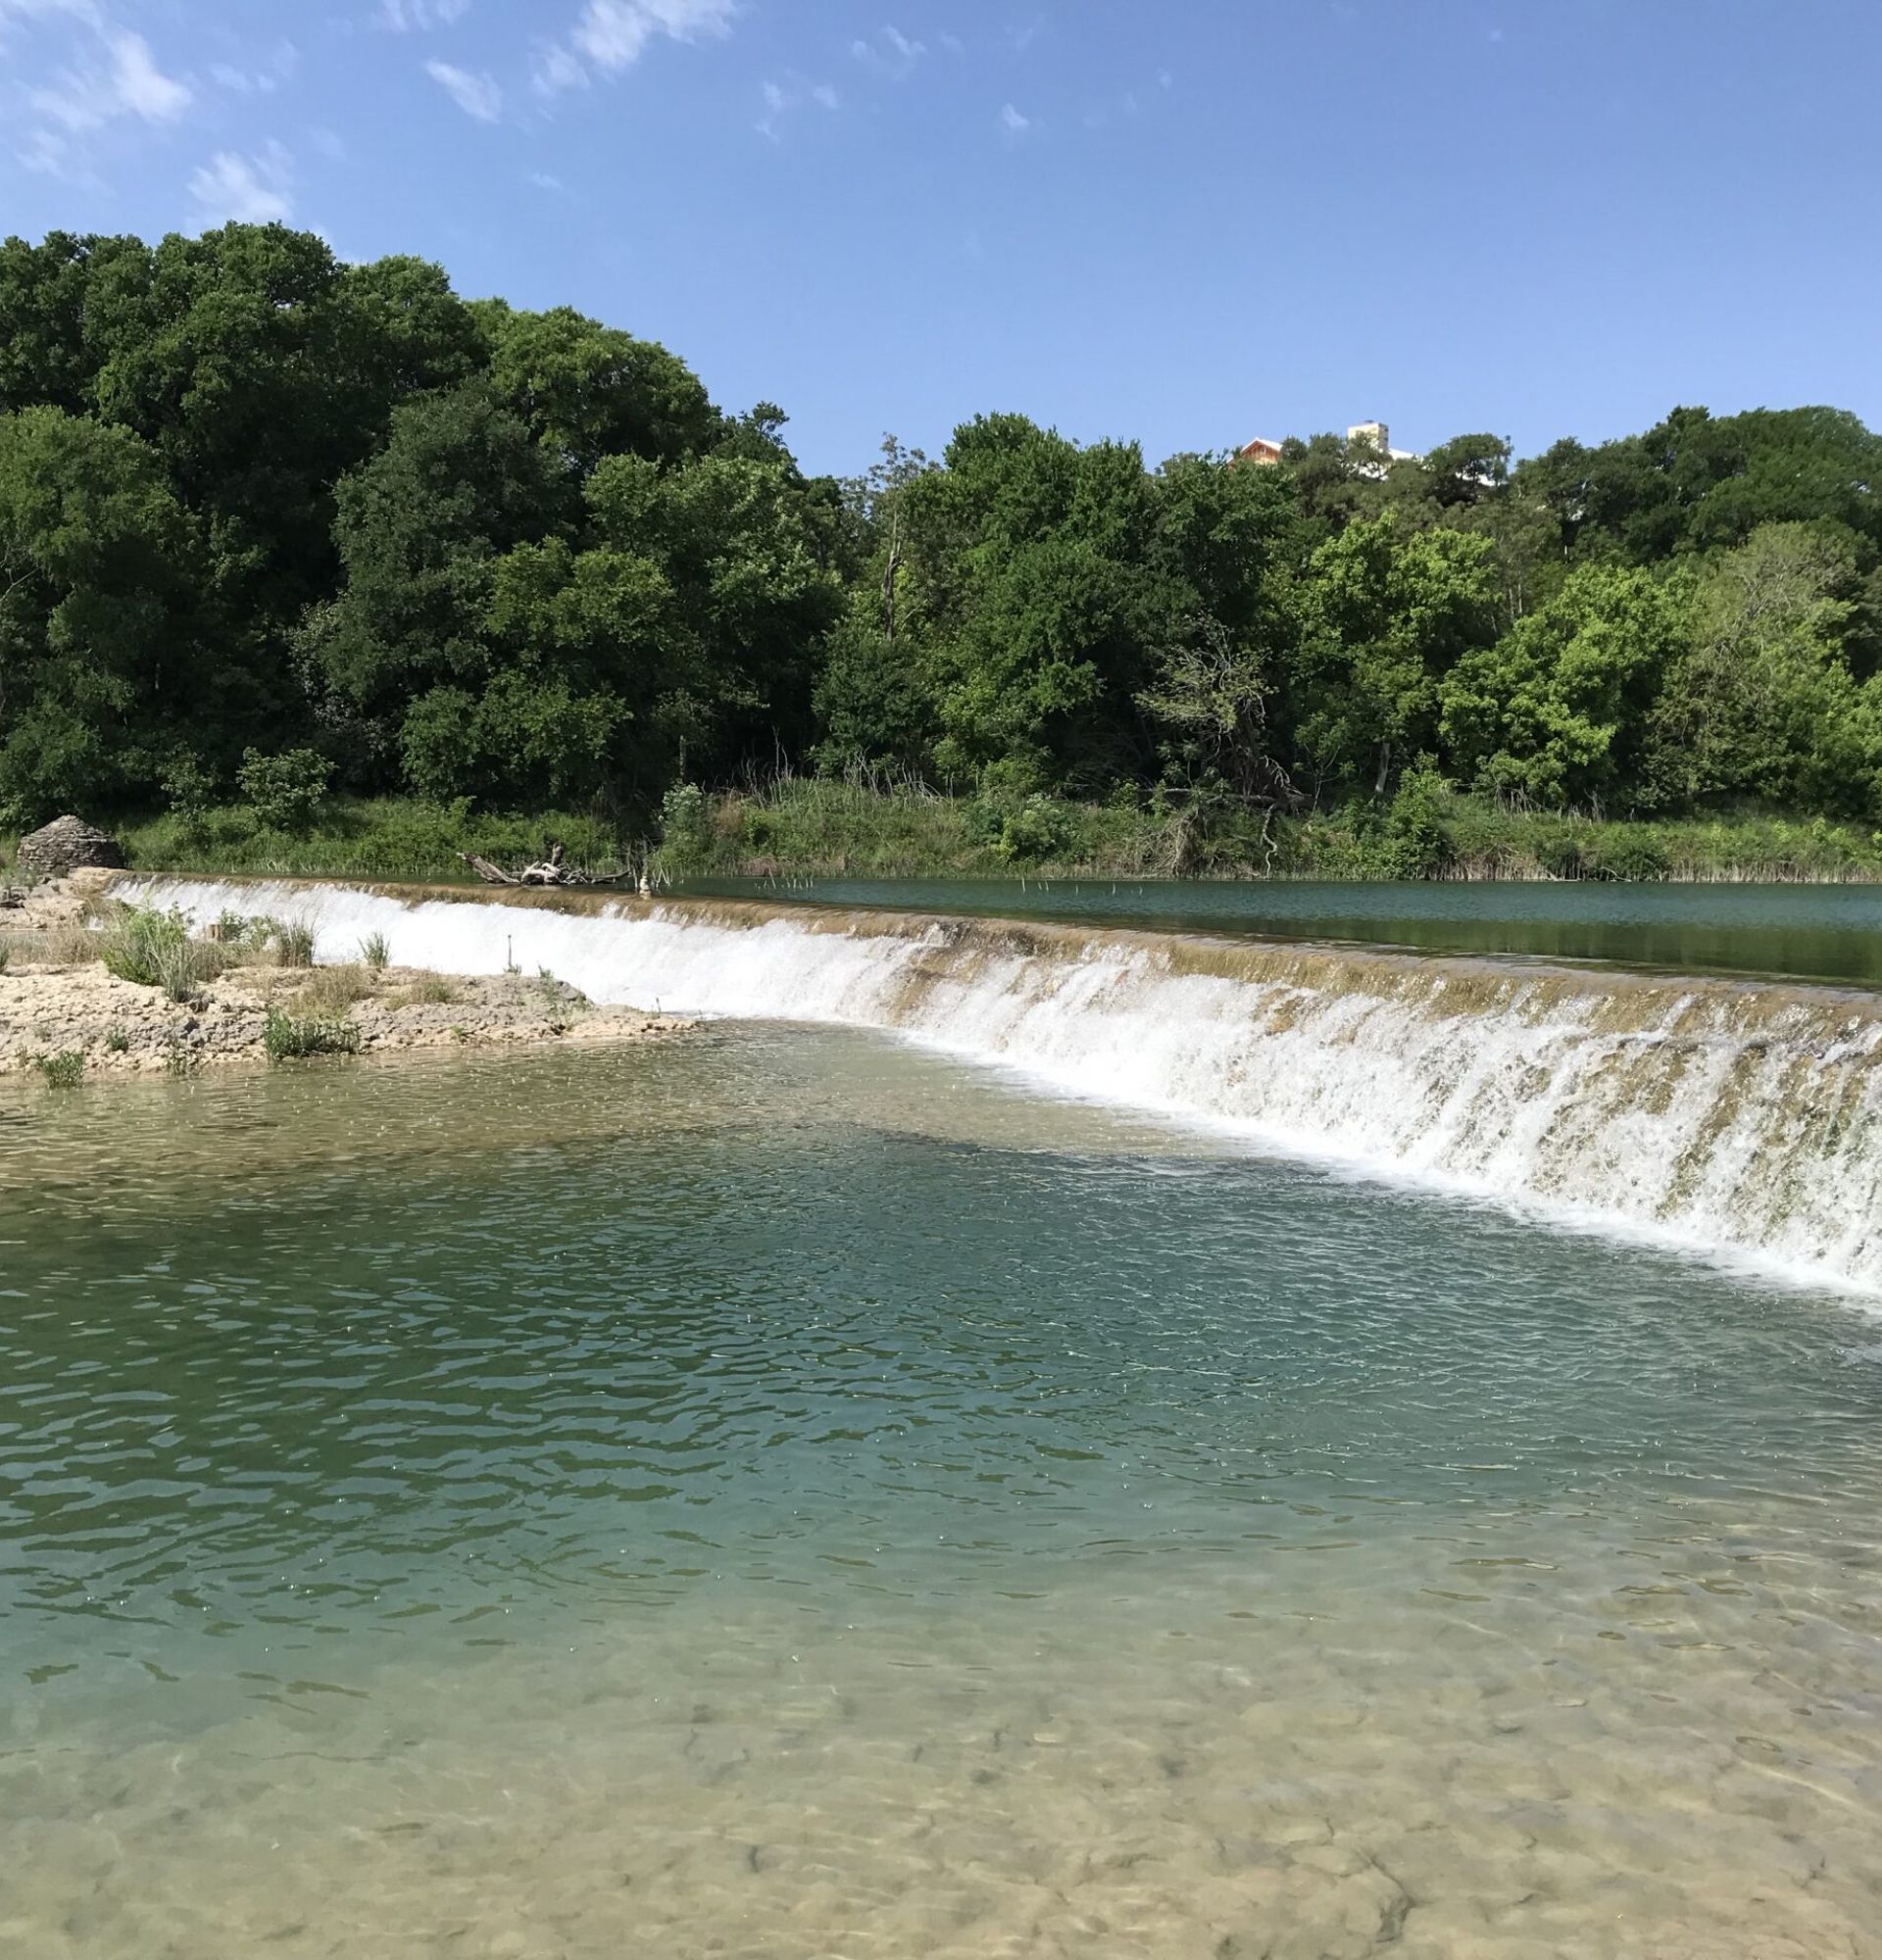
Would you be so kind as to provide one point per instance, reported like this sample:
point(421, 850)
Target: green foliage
point(1021, 830)
point(685, 828)
point(374, 952)
point(293, 942)
point(272, 520)
point(188, 789)
point(99, 574)
point(284, 791)
point(152, 948)
point(117, 1041)
point(1554, 712)
point(287, 1037)
point(382, 838)
point(62, 1071)
point(1764, 700)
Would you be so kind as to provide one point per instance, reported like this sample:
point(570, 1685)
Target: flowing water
point(1740, 1120)
point(788, 1493)
point(801, 1492)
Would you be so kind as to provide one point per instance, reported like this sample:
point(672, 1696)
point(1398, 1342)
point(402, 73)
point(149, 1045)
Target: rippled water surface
point(782, 1495)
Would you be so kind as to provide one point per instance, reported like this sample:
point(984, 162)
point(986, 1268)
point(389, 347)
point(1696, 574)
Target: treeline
point(272, 525)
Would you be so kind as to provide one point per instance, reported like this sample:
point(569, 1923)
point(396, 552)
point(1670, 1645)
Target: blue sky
point(1189, 223)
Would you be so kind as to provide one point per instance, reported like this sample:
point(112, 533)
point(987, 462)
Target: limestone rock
point(65, 844)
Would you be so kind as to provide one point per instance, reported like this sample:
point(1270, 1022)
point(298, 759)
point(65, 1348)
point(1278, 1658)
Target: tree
point(98, 576)
point(588, 391)
point(1553, 711)
point(1696, 483)
point(1763, 701)
point(1386, 616)
point(459, 483)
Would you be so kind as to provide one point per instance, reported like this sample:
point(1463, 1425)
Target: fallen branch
point(551, 871)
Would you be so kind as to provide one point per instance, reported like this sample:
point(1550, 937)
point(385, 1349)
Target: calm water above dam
point(1805, 932)
point(789, 1495)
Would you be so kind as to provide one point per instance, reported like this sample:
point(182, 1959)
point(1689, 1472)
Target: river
point(820, 1489)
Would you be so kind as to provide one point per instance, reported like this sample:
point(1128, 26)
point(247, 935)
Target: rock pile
point(65, 845)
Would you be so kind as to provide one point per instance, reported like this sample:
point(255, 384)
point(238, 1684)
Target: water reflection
point(1804, 931)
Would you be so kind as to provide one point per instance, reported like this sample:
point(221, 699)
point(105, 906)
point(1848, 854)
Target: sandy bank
point(57, 999)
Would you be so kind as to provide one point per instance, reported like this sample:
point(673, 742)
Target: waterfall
point(1743, 1121)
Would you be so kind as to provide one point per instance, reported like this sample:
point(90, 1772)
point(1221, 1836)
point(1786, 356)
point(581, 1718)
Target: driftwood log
point(550, 871)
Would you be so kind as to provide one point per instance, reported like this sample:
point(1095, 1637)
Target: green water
point(782, 1493)
point(1804, 932)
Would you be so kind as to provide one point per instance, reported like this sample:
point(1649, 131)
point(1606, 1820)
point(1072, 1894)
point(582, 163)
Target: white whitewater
point(1742, 1121)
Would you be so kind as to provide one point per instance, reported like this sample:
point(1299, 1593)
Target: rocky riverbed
point(58, 1000)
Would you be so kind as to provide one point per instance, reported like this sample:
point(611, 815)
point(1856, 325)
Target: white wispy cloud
point(891, 52)
point(122, 79)
point(418, 17)
point(89, 72)
point(475, 94)
point(261, 80)
point(610, 35)
point(231, 188)
point(544, 180)
point(1012, 122)
point(781, 97)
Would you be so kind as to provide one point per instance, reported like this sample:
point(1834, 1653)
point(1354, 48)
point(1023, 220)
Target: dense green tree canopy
point(269, 520)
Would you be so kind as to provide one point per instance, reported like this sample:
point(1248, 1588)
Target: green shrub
point(117, 1041)
point(150, 947)
point(1416, 840)
point(686, 825)
point(285, 791)
point(189, 790)
point(62, 1071)
point(287, 1038)
point(1629, 857)
point(376, 952)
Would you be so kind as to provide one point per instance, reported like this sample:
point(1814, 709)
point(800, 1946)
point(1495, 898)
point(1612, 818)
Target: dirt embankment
point(57, 999)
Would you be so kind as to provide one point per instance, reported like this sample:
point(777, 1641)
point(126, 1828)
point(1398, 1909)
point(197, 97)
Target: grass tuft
point(291, 1038)
point(429, 990)
point(376, 952)
point(293, 942)
point(330, 990)
point(62, 1071)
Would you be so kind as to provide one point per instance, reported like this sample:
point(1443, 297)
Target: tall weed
point(152, 948)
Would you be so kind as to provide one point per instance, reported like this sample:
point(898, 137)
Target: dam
point(1740, 1120)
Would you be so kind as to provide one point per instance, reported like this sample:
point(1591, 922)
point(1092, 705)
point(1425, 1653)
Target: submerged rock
point(65, 845)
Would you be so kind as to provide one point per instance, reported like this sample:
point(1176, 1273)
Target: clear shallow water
point(785, 1495)
point(1804, 932)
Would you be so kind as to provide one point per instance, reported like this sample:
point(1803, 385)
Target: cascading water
point(1743, 1121)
